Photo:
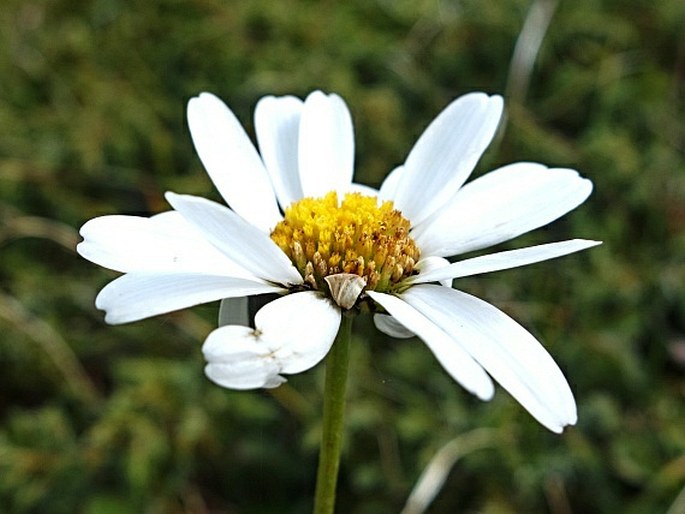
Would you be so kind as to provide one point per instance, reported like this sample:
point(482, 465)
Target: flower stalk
point(333, 419)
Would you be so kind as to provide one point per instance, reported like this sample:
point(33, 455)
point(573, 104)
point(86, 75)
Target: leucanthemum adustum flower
point(298, 226)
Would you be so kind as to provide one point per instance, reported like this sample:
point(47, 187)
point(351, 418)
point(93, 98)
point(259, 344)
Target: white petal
point(501, 205)
point(389, 186)
point(390, 326)
point(237, 360)
point(234, 311)
point(504, 348)
point(236, 238)
point(232, 161)
point(165, 242)
point(453, 358)
point(277, 124)
point(503, 260)
point(446, 153)
point(292, 334)
point(137, 295)
point(326, 153)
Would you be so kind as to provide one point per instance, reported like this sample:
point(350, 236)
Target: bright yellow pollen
point(358, 236)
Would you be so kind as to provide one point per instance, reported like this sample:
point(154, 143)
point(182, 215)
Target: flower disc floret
point(323, 237)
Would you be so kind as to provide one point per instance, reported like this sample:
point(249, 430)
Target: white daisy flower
point(298, 226)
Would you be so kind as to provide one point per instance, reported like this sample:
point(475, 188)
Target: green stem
point(333, 411)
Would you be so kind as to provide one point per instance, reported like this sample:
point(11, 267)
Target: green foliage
point(108, 420)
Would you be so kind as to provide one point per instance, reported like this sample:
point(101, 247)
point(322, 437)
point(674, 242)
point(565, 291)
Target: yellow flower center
point(357, 236)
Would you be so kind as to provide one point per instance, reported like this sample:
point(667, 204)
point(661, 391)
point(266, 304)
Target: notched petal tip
point(559, 429)
point(274, 381)
point(201, 101)
point(497, 102)
point(81, 248)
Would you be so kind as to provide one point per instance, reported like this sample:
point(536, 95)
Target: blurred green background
point(107, 420)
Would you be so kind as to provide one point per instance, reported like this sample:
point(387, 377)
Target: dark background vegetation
point(107, 420)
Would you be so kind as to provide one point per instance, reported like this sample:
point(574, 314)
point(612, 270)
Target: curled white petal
point(501, 205)
point(509, 353)
point(326, 151)
point(303, 325)
point(445, 154)
point(232, 161)
point(236, 360)
point(453, 358)
point(291, 334)
point(503, 260)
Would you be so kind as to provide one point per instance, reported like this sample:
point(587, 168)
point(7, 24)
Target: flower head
point(324, 237)
point(298, 226)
